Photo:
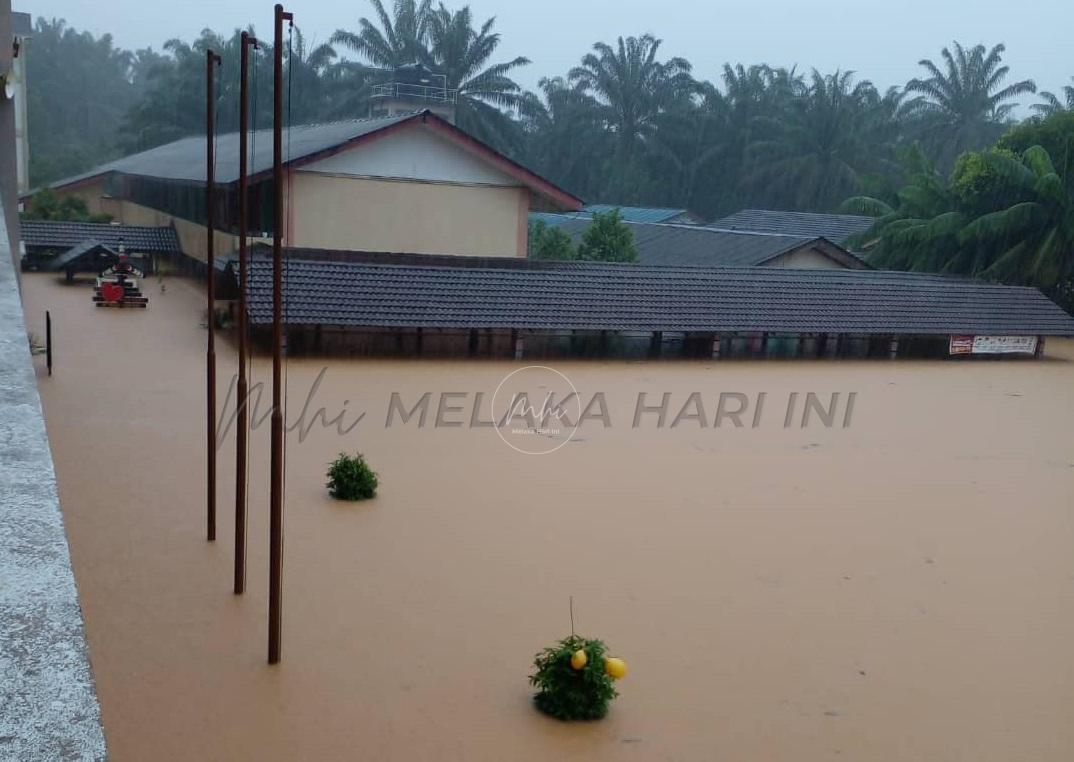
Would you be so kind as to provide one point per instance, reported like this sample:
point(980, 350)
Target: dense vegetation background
point(956, 185)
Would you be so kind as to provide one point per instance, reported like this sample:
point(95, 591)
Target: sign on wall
point(993, 345)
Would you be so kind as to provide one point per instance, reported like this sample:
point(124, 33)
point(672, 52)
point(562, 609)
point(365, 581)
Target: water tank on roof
point(413, 87)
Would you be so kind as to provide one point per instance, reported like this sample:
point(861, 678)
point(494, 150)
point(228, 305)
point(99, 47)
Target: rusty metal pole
point(276, 485)
point(242, 419)
point(211, 59)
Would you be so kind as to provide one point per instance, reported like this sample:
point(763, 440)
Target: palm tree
point(1034, 237)
point(1052, 104)
point(565, 115)
point(400, 40)
point(917, 228)
point(632, 88)
point(966, 106)
point(688, 146)
point(486, 93)
point(753, 100)
point(307, 78)
point(823, 145)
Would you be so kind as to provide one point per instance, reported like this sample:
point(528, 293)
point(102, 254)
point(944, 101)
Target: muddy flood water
point(897, 586)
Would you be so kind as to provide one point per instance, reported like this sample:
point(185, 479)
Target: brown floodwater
point(897, 588)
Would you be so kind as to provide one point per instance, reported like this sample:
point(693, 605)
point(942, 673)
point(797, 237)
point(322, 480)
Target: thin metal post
point(276, 467)
point(48, 341)
point(211, 59)
point(242, 418)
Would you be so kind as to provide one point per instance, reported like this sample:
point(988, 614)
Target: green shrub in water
point(567, 693)
point(351, 478)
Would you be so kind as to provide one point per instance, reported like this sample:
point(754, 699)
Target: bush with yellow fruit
point(575, 679)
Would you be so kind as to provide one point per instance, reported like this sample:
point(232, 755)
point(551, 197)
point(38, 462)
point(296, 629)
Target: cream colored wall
point(192, 236)
point(805, 259)
point(92, 194)
point(416, 217)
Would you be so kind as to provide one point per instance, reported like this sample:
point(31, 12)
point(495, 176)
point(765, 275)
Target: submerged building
point(368, 303)
point(407, 182)
point(672, 244)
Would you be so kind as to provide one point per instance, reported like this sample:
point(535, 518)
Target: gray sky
point(880, 41)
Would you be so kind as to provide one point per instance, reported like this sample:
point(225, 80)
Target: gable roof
point(834, 227)
point(670, 245)
point(184, 160)
point(80, 250)
point(529, 295)
point(63, 235)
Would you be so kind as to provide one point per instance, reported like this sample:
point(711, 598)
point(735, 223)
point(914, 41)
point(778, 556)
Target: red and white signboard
point(993, 345)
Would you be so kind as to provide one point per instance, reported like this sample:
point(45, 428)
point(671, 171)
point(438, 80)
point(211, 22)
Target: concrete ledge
point(48, 703)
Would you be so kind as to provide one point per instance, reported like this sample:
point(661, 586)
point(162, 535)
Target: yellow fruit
point(614, 668)
point(579, 659)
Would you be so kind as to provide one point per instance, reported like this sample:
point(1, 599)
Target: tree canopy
point(956, 182)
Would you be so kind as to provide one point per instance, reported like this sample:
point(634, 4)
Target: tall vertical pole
point(211, 60)
point(276, 486)
point(48, 340)
point(241, 446)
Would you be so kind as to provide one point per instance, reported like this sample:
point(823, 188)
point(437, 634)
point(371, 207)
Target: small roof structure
point(86, 255)
point(184, 160)
point(402, 291)
point(55, 234)
point(677, 245)
point(627, 213)
point(647, 213)
point(834, 227)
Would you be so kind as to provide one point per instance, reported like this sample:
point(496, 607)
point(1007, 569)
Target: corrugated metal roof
point(589, 296)
point(644, 213)
point(64, 235)
point(834, 227)
point(184, 159)
point(627, 213)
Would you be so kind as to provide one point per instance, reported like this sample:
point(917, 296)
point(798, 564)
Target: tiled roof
point(689, 245)
point(834, 227)
point(64, 235)
point(555, 296)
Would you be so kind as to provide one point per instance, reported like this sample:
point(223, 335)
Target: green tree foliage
point(1052, 104)
point(819, 153)
point(351, 478)
point(48, 205)
point(631, 87)
point(629, 124)
point(547, 242)
point(78, 88)
point(397, 41)
point(567, 693)
point(964, 106)
point(1055, 134)
point(1002, 214)
point(608, 239)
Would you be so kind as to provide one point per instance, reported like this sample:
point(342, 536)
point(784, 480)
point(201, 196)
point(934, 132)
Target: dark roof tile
point(64, 235)
point(563, 296)
point(834, 227)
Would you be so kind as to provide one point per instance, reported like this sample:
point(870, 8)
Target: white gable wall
point(415, 153)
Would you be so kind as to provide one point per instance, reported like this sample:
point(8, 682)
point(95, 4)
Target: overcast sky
point(880, 41)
